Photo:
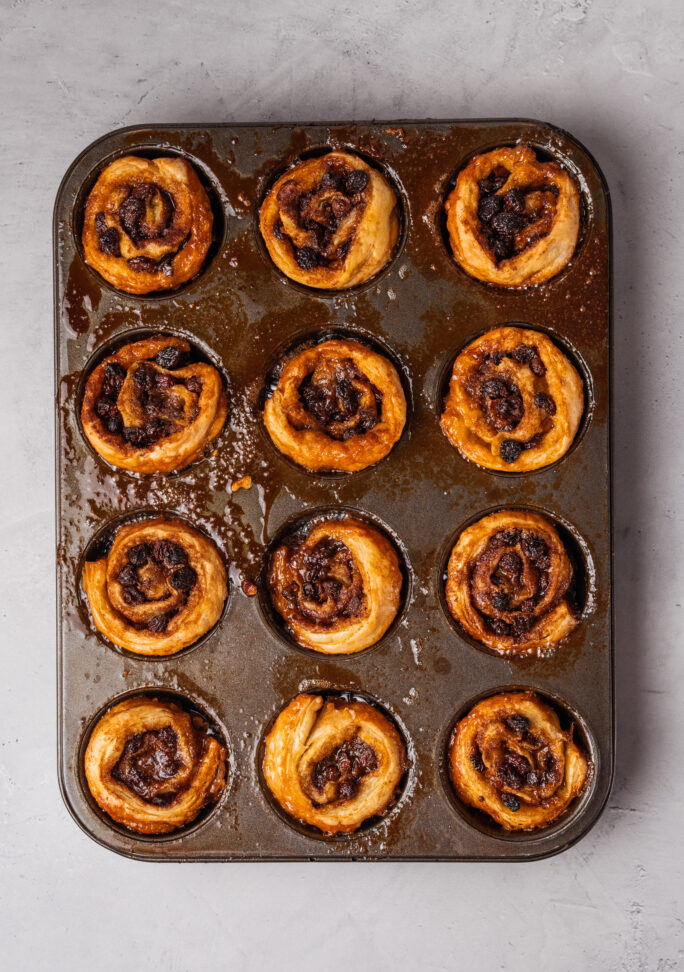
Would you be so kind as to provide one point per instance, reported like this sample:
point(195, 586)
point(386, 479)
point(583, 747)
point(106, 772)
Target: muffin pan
point(240, 312)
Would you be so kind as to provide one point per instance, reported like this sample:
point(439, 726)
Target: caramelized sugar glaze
point(241, 313)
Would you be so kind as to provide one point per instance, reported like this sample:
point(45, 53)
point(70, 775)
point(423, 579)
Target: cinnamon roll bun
point(338, 406)
point(161, 586)
point(508, 583)
point(147, 224)
point(515, 402)
point(510, 758)
point(337, 585)
point(152, 766)
point(330, 222)
point(512, 219)
point(149, 408)
point(333, 763)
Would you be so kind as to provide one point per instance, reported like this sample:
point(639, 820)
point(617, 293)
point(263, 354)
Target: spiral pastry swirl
point(330, 222)
point(338, 587)
point(510, 758)
point(338, 406)
point(513, 220)
point(147, 224)
point(152, 766)
point(515, 402)
point(333, 763)
point(161, 586)
point(149, 408)
point(508, 581)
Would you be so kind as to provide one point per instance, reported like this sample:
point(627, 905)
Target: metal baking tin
point(422, 309)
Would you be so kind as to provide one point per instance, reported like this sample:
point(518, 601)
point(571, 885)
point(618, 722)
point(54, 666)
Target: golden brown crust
point(152, 766)
point(507, 583)
point(515, 402)
point(519, 239)
point(333, 763)
point(510, 758)
point(147, 224)
point(338, 406)
point(160, 588)
point(146, 418)
point(338, 588)
point(330, 222)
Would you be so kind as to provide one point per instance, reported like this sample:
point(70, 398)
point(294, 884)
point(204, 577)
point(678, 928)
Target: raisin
point(108, 241)
point(347, 789)
point(174, 554)
point(545, 402)
point(488, 206)
point(500, 601)
point(307, 258)
point(127, 575)
point(143, 265)
point(331, 180)
point(163, 382)
point(502, 247)
point(537, 366)
point(509, 538)
point(524, 353)
point(132, 595)
point(194, 385)
point(158, 624)
point(356, 181)
point(510, 801)
point(135, 436)
point(498, 626)
point(507, 224)
point(517, 722)
point(115, 424)
point(509, 450)
point(520, 626)
point(138, 556)
point(494, 388)
point(533, 547)
point(514, 201)
point(143, 377)
point(105, 408)
point(495, 180)
point(183, 579)
point(169, 358)
point(476, 760)
point(131, 212)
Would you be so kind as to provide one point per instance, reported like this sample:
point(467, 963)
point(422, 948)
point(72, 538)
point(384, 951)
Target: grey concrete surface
point(610, 71)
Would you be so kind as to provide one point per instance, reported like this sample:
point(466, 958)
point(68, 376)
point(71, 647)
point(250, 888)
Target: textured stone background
point(610, 72)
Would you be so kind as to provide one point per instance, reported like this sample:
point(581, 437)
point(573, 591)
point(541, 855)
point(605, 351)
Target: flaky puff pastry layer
point(308, 732)
point(341, 442)
point(551, 401)
point(147, 224)
point(510, 758)
point(321, 231)
point(544, 246)
point(338, 589)
point(197, 777)
point(193, 408)
point(507, 582)
point(137, 598)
